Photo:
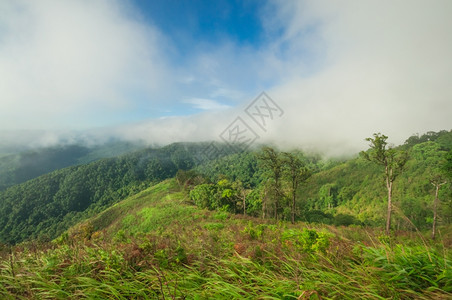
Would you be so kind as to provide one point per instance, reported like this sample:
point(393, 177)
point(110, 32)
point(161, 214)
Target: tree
point(297, 173)
point(273, 164)
point(392, 160)
point(189, 179)
point(438, 173)
point(327, 195)
point(226, 196)
point(345, 194)
point(430, 154)
point(202, 195)
point(447, 167)
point(242, 193)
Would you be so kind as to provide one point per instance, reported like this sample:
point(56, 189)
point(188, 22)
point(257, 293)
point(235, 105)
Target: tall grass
point(181, 252)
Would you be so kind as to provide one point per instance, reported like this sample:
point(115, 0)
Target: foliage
point(47, 205)
point(273, 164)
point(24, 165)
point(194, 255)
point(308, 240)
point(241, 167)
point(415, 268)
point(448, 164)
point(296, 173)
point(345, 220)
point(392, 159)
point(342, 192)
point(357, 190)
point(222, 195)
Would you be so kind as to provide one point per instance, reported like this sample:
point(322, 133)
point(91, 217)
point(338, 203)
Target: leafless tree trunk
point(389, 213)
point(388, 172)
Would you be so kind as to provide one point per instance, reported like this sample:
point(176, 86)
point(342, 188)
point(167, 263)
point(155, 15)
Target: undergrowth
point(161, 248)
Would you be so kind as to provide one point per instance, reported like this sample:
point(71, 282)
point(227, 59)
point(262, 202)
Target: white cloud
point(62, 59)
point(348, 69)
point(387, 68)
point(340, 71)
point(205, 104)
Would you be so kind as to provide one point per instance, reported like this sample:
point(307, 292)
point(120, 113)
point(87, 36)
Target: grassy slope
point(155, 245)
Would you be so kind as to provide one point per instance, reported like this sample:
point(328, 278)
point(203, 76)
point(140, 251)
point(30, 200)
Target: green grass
point(149, 210)
point(154, 245)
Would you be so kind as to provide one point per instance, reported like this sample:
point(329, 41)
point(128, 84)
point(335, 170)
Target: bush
point(345, 220)
point(308, 240)
point(318, 216)
point(214, 226)
point(255, 232)
point(202, 195)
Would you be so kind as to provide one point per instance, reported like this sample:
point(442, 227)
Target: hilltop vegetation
point(337, 192)
point(46, 206)
point(156, 245)
point(357, 186)
point(340, 193)
point(161, 223)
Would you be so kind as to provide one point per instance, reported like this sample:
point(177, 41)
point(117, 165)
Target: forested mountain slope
point(47, 205)
point(338, 192)
point(19, 167)
point(357, 186)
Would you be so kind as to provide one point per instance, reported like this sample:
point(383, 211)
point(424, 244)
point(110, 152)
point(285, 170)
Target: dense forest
point(263, 183)
point(47, 205)
point(340, 192)
point(21, 165)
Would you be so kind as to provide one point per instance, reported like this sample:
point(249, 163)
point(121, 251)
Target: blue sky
point(191, 27)
point(205, 21)
point(194, 28)
point(165, 71)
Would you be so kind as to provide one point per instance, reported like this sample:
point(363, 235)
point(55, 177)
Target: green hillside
point(156, 245)
point(356, 187)
point(24, 165)
point(47, 205)
point(350, 192)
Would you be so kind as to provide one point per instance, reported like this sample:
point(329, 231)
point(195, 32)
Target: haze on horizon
point(169, 71)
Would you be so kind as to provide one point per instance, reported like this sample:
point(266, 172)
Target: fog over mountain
point(89, 71)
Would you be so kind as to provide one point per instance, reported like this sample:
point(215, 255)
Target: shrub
point(345, 220)
point(214, 226)
point(308, 240)
point(318, 216)
point(255, 232)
